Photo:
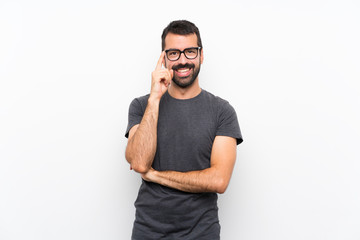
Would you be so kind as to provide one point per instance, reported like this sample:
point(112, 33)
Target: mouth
point(183, 72)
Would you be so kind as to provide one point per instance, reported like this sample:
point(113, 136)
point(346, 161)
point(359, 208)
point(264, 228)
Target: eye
point(172, 53)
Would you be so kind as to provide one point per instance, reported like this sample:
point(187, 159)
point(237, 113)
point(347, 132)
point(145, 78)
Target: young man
point(182, 140)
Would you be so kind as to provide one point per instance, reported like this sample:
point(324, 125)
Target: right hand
point(161, 79)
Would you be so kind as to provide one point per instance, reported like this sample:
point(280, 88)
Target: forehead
point(180, 41)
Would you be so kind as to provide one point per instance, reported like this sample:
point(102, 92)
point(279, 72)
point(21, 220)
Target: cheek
point(168, 65)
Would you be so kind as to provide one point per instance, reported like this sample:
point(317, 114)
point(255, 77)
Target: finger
point(169, 76)
point(160, 61)
point(162, 73)
point(172, 73)
point(167, 79)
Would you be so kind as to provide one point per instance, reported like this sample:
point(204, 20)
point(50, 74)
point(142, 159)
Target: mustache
point(186, 65)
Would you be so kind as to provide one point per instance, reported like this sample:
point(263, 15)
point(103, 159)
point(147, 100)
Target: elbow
point(221, 186)
point(135, 165)
point(221, 189)
point(140, 168)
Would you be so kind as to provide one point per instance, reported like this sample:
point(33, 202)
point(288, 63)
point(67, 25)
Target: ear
point(201, 55)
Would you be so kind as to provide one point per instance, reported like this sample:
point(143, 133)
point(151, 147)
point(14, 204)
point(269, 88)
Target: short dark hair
point(180, 27)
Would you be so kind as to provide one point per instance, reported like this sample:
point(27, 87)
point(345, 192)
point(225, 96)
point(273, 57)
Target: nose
point(182, 58)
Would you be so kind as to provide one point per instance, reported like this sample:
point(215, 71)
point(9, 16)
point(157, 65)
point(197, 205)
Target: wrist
point(151, 175)
point(153, 100)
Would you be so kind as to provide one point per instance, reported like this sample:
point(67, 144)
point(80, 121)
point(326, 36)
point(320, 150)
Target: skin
point(141, 147)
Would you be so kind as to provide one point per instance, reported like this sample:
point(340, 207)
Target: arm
point(141, 147)
point(213, 179)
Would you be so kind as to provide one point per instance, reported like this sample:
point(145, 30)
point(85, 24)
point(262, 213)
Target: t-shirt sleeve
point(228, 124)
point(136, 113)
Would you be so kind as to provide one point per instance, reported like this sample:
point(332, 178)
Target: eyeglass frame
point(197, 54)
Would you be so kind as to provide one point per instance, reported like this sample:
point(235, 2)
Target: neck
point(185, 93)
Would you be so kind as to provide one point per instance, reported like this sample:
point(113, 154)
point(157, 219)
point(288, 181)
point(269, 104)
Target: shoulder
point(142, 99)
point(219, 104)
point(227, 122)
point(140, 102)
point(223, 110)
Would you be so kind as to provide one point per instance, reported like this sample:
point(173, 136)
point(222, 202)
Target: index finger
point(160, 61)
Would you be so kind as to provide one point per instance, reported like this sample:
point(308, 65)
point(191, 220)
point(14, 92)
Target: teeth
point(183, 70)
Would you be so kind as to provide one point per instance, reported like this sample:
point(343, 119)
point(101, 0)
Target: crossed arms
point(141, 148)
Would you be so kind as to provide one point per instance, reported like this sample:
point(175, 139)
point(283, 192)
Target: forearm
point(207, 180)
point(141, 147)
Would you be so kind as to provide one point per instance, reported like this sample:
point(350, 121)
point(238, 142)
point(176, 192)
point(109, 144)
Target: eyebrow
point(171, 49)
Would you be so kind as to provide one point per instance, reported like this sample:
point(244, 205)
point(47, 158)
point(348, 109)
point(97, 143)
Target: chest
point(185, 136)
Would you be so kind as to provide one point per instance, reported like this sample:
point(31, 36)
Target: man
point(182, 140)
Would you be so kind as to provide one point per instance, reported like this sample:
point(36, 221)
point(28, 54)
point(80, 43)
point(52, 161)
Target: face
point(185, 70)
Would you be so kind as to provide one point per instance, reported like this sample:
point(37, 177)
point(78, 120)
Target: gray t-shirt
point(186, 132)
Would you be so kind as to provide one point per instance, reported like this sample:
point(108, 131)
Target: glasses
point(190, 53)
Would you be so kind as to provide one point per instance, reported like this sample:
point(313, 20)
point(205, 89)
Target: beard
point(187, 81)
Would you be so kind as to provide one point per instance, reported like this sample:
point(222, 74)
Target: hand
point(161, 79)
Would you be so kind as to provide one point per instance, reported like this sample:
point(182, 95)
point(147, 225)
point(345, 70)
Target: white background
point(69, 70)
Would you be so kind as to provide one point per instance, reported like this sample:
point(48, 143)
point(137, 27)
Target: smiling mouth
point(183, 72)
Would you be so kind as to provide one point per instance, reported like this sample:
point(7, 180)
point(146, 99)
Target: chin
point(183, 84)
